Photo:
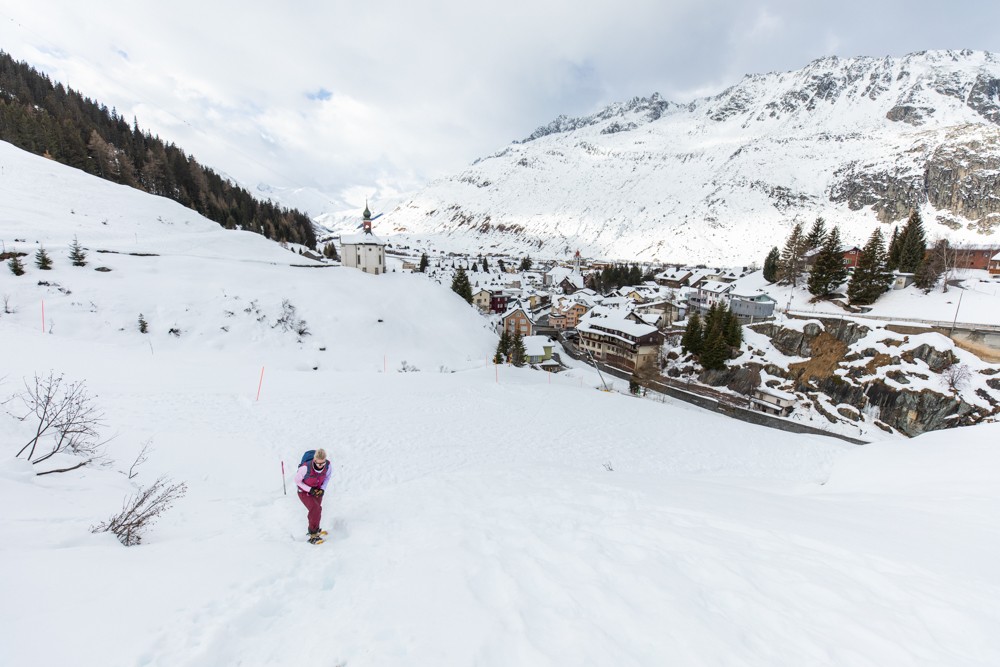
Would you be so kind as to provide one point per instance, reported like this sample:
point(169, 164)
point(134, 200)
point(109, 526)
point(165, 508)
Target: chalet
point(708, 294)
point(363, 251)
point(517, 320)
point(851, 256)
point(994, 265)
point(571, 283)
point(673, 278)
point(538, 349)
point(663, 312)
point(622, 341)
point(773, 401)
point(481, 300)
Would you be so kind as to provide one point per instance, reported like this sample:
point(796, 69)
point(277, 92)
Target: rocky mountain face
point(854, 373)
point(860, 141)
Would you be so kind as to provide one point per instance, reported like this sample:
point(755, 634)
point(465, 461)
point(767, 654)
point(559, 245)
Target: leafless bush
point(66, 420)
point(407, 368)
point(140, 459)
point(7, 308)
point(141, 510)
point(956, 377)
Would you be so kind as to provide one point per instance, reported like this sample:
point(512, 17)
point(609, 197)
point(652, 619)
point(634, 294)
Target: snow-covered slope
point(722, 179)
point(489, 516)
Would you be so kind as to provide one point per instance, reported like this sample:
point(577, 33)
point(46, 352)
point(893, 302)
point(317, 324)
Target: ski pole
point(284, 485)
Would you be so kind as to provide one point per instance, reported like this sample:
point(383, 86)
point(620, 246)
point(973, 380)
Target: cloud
point(413, 91)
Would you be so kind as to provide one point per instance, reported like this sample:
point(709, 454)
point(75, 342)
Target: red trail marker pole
point(284, 486)
point(261, 383)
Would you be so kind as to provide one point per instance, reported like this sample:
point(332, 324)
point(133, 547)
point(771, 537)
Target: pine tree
point(517, 352)
point(732, 331)
point(486, 266)
point(912, 244)
point(423, 263)
point(504, 346)
point(691, 341)
point(892, 257)
point(816, 235)
point(871, 278)
point(771, 263)
point(828, 271)
point(76, 253)
point(460, 285)
point(526, 263)
point(16, 266)
point(42, 259)
point(792, 257)
point(143, 325)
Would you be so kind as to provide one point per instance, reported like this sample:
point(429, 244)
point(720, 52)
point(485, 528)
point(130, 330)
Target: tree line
point(907, 252)
point(55, 121)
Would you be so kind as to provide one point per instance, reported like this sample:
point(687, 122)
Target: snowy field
point(477, 515)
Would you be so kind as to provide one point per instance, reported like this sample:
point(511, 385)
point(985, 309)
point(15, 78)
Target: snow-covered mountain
point(858, 141)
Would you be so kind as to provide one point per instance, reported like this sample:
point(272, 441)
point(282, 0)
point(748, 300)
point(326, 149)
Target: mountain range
point(858, 141)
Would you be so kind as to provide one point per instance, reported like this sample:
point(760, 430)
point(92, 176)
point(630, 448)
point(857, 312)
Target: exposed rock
point(849, 413)
point(909, 114)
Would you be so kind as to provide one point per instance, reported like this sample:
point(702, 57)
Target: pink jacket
point(317, 479)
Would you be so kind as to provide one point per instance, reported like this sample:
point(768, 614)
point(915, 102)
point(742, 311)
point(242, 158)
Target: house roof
point(715, 287)
point(614, 320)
point(534, 346)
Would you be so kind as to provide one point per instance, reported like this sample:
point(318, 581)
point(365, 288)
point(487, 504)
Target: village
point(629, 319)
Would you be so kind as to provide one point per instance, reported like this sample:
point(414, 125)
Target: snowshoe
point(316, 540)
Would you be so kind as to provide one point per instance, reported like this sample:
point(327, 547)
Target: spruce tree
point(143, 325)
point(461, 286)
point(691, 341)
point(892, 256)
point(816, 235)
point(486, 266)
point(504, 346)
point(76, 253)
point(16, 266)
point(933, 267)
point(42, 259)
point(912, 245)
point(732, 331)
point(423, 263)
point(771, 263)
point(828, 271)
point(715, 352)
point(871, 278)
point(526, 263)
point(792, 257)
point(517, 353)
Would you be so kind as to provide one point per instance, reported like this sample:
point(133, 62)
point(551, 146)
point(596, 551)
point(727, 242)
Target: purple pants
point(314, 506)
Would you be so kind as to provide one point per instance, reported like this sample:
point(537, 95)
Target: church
point(363, 251)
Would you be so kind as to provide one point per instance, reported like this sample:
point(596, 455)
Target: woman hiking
point(311, 479)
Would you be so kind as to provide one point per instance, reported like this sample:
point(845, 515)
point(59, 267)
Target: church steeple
point(366, 219)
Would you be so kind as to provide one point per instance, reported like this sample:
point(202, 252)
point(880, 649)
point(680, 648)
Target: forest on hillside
point(59, 123)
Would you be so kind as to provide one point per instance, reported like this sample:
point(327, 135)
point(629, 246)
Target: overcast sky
point(377, 97)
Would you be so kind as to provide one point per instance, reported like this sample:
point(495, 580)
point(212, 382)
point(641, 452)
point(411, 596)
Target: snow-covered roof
point(715, 287)
point(613, 320)
point(365, 238)
point(534, 346)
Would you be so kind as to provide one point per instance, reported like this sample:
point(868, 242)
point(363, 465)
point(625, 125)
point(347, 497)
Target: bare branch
point(140, 459)
point(141, 510)
point(49, 472)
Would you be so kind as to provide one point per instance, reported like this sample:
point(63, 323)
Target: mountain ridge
point(860, 141)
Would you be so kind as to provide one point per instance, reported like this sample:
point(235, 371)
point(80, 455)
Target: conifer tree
point(732, 331)
point(76, 253)
point(892, 256)
point(461, 286)
point(486, 266)
point(143, 325)
point(792, 257)
point(715, 352)
point(871, 278)
point(504, 345)
point(912, 244)
point(817, 234)
point(526, 263)
point(691, 341)
point(517, 352)
point(828, 271)
point(16, 266)
point(42, 259)
point(933, 267)
point(771, 263)
point(423, 263)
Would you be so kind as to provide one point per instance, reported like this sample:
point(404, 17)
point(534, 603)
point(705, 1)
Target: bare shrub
point(66, 420)
point(141, 510)
point(141, 458)
point(956, 377)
